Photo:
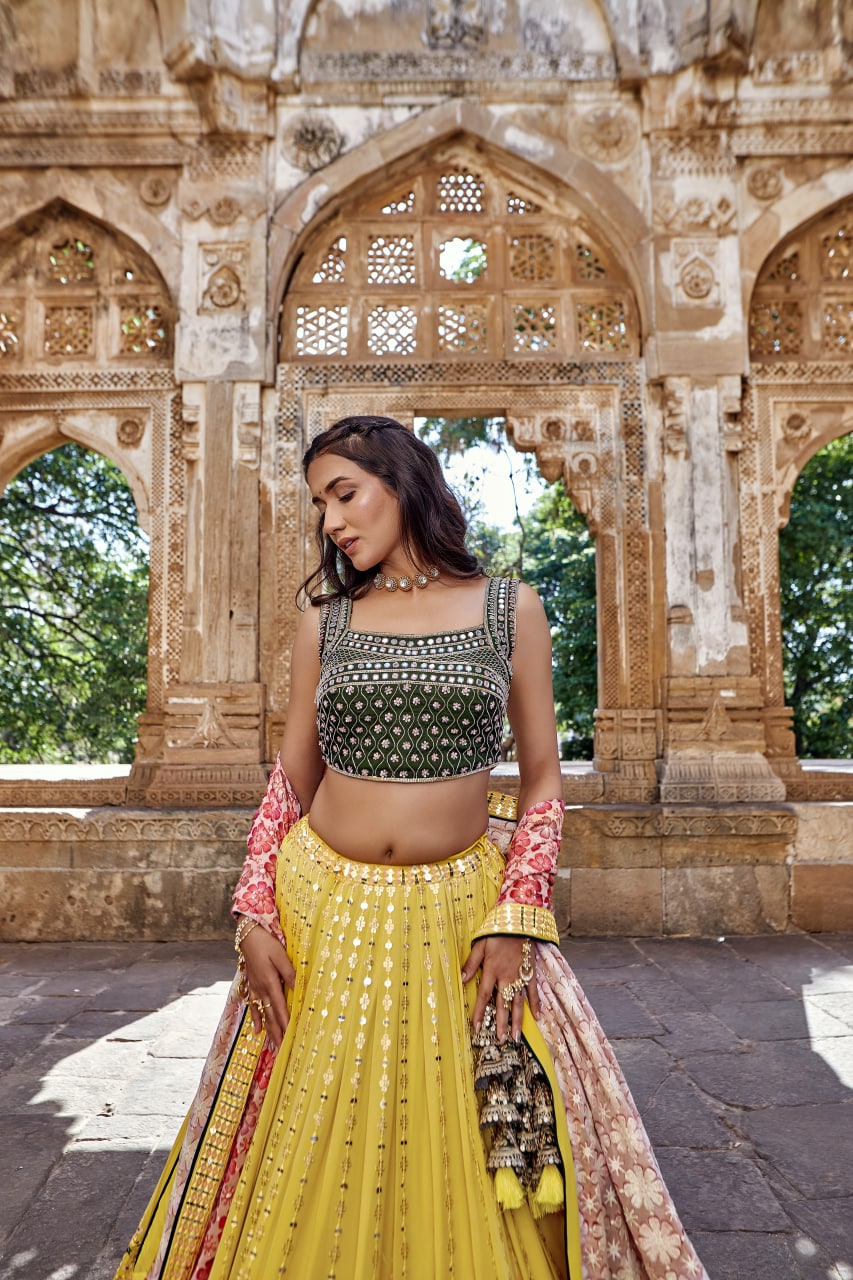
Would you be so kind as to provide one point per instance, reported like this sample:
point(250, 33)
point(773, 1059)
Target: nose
point(334, 520)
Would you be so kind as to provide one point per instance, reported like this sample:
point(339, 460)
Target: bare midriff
point(400, 823)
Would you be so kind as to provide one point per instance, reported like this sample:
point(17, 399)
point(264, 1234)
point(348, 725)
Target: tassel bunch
point(517, 1109)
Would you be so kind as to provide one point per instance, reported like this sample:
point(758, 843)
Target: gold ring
point(267, 1004)
point(510, 991)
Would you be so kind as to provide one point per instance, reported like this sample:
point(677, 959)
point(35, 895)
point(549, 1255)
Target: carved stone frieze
point(675, 156)
point(119, 82)
point(89, 152)
point(627, 734)
point(798, 67)
point(695, 213)
point(792, 140)
point(123, 826)
point(440, 65)
point(225, 720)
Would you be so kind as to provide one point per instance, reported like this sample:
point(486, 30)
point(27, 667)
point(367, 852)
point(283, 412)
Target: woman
point(337, 1131)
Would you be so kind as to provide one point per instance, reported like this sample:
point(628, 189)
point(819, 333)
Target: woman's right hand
point(268, 972)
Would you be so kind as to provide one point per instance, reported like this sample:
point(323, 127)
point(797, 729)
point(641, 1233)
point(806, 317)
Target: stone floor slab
point(717, 1185)
point(809, 1146)
point(766, 1075)
point(786, 1019)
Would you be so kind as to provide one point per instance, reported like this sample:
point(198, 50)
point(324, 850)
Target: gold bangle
point(244, 928)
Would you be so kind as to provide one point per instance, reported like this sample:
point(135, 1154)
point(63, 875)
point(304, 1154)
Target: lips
point(347, 545)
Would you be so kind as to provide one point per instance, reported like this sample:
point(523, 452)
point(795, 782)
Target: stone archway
point(546, 337)
point(86, 333)
point(797, 399)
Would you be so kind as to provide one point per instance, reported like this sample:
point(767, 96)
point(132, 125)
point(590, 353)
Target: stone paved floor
point(739, 1053)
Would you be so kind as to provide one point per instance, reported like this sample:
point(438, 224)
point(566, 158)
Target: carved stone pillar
point(213, 720)
point(715, 744)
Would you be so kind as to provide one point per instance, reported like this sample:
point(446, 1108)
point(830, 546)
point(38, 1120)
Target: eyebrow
point(329, 487)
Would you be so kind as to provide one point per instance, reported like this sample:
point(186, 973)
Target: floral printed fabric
point(255, 892)
point(531, 862)
point(630, 1229)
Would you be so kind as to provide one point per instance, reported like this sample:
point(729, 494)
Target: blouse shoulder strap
point(501, 608)
point(334, 621)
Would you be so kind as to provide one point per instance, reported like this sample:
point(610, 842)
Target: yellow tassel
point(549, 1196)
point(508, 1189)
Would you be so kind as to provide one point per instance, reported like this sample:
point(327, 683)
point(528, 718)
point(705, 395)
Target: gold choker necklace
point(405, 583)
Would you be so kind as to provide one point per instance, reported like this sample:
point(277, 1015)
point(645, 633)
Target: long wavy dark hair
point(432, 526)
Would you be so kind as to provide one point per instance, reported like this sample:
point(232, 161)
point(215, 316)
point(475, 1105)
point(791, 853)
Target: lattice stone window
point(532, 257)
point(70, 289)
point(602, 326)
point(588, 264)
point(391, 260)
point(460, 192)
point(72, 262)
point(776, 328)
point(321, 331)
point(787, 268)
point(453, 260)
point(333, 268)
point(516, 205)
point(462, 327)
point(838, 328)
point(68, 331)
point(9, 341)
point(534, 328)
point(802, 304)
point(142, 329)
point(399, 205)
point(391, 330)
point(837, 252)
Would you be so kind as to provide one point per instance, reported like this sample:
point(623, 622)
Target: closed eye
point(345, 497)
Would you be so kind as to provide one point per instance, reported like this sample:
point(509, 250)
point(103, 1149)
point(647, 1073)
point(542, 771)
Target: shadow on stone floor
point(739, 1055)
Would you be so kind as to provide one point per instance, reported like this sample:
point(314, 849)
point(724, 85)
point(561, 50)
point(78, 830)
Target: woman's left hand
point(500, 958)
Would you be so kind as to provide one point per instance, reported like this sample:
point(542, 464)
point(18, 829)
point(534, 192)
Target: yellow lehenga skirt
point(367, 1161)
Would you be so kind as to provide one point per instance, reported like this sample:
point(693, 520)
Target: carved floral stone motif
point(796, 427)
point(312, 142)
point(764, 182)
point(222, 267)
point(156, 189)
point(608, 136)
point(695, 265)
point(130, 432)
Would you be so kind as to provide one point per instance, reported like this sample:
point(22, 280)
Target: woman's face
point(359, 513)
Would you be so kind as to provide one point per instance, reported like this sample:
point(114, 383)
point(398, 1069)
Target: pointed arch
point(547, 164)
point(111, 202)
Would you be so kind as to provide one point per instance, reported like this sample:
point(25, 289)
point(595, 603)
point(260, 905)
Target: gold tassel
point(549, 1196)
point(508, 1189)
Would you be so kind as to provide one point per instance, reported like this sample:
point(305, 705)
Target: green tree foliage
point(552, 549)
point(560, 564)
point(73, 626)
point(816, 573)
